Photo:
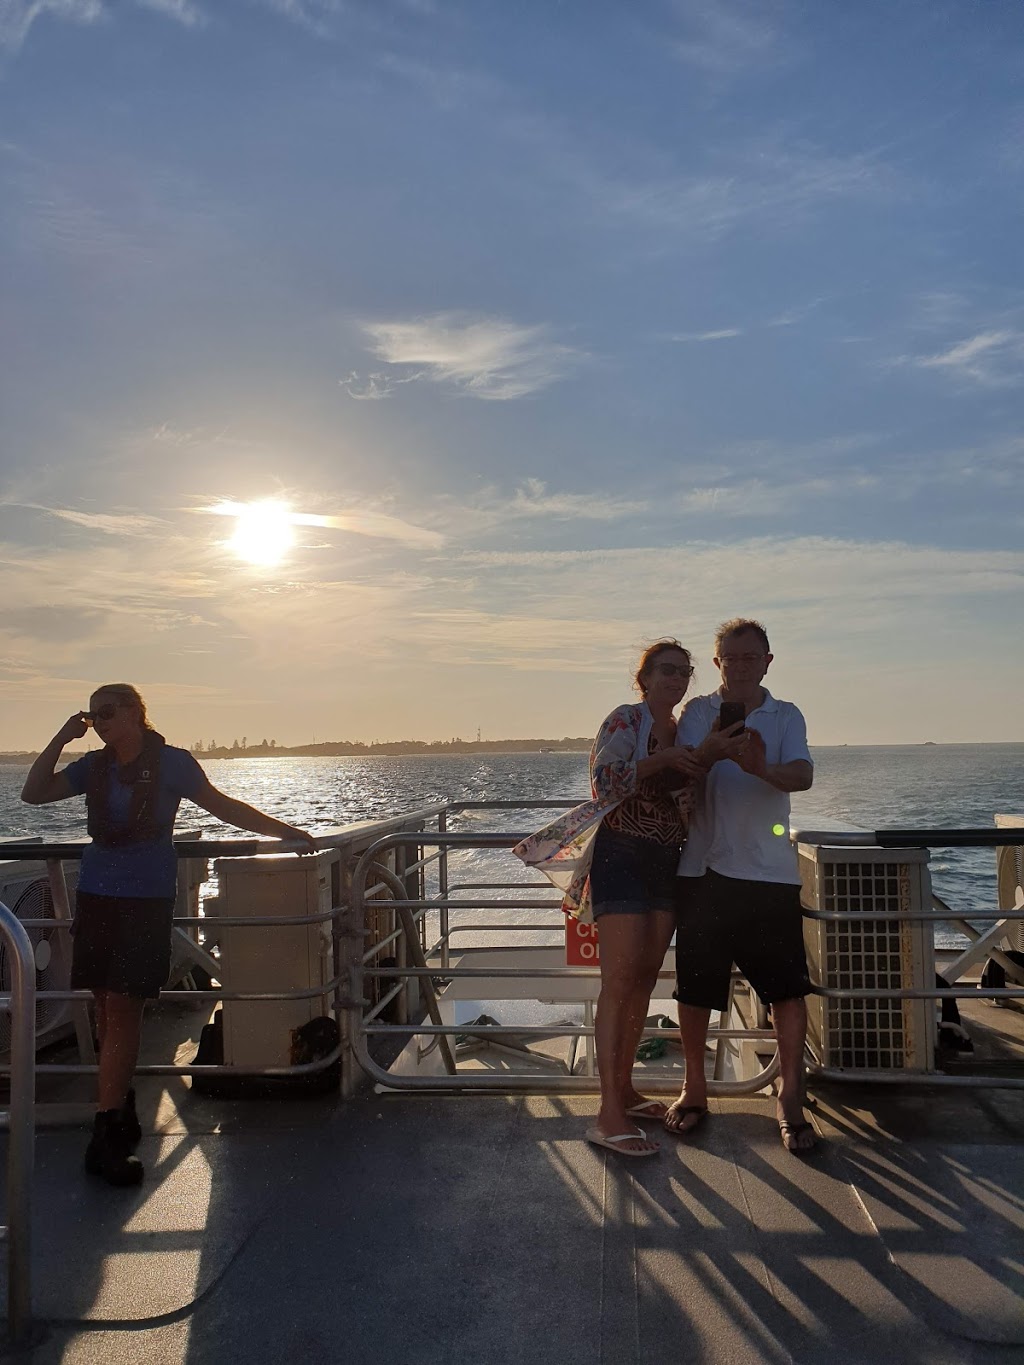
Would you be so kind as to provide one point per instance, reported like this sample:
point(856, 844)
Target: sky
point(533, 332)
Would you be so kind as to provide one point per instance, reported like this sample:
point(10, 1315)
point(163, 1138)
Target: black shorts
point(756, 925)
point(121, 944)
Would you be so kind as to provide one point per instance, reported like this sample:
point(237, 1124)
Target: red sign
point(581, 944)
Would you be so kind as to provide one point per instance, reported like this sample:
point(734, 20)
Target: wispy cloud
point(812, 569)
point(994, 359)
point(775, 180)
point(363, 522)
point(723, 334)
point(724, 37)
point(184, 11)
point(107, 523)
point(18, 16)
point(489, 358)
point(532, 499)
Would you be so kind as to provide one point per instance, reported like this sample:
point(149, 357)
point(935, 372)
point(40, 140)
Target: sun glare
point(263, 533)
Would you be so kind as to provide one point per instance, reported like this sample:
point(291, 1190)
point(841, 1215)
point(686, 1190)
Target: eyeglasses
point(107, 712)
point(740, 658)
point(674, 670)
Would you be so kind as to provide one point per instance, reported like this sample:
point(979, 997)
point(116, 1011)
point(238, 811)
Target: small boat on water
point(438, 1202)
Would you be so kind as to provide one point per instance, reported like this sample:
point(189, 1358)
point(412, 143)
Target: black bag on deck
point(993, 978)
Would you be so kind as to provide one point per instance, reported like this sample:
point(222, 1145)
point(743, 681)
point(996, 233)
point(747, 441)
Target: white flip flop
point(639, 1111)
point(600, 1139)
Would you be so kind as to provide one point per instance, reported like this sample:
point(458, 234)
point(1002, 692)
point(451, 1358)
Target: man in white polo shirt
point(739, 882)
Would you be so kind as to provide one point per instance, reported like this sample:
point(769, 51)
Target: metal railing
point(436, 969)
point(22, 997)
point(21, 1143)
point(346, 841)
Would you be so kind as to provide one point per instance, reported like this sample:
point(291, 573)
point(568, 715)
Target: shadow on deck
point(417, 1230)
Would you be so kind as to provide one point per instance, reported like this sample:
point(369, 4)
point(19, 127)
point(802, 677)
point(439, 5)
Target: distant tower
point(478, 734)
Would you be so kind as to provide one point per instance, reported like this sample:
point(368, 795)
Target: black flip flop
point(789, 1130)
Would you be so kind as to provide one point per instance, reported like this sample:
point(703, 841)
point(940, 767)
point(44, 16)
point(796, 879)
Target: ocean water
point(870, 787)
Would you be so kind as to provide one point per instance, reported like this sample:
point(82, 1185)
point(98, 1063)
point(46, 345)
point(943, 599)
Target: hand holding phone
point(732, 713)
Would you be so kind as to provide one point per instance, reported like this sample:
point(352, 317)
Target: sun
point(264, 531)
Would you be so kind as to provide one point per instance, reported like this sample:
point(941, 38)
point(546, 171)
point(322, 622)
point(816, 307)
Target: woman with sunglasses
point(126, 888)
point(616, 858)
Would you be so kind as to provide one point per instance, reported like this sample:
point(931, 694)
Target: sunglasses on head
point(106, 712)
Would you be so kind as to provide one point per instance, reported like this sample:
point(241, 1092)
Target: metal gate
point(433, 969)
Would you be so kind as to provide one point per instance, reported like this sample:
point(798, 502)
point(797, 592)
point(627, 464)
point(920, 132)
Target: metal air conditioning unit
point(869, 1035)
point(1010, 880)
point(25, 890)
point(276, 958)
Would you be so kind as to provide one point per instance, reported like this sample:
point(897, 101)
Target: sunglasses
point(107, 712)
point(674, 670)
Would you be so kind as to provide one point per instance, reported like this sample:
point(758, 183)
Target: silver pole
point(21, 1145)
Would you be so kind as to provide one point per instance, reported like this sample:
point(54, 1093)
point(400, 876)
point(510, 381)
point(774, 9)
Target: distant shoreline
point(439, 748)
point(399, 748)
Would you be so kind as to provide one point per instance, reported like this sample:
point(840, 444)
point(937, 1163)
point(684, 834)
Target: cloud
point(489, 358)
point(532, 499)
point(708, 191)
point(373, 387)
point(722, 37)
point(111, 524)
point(993, 359)
point(827, 573)
point(377, 524)
point(184, 11)
point(18, 16)
point(364, 522)
point(722, 334)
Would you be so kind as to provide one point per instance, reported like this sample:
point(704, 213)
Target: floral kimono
point(563, 850)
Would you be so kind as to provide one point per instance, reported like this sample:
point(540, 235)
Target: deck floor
point(421, 1229)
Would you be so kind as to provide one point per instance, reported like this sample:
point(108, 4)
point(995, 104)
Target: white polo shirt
point(740, 826)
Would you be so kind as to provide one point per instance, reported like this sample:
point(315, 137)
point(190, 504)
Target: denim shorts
point(632, 876)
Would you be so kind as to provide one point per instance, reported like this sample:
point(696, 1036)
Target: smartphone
point(732, 713)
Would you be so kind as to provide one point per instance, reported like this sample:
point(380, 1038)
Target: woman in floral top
point(615, 857)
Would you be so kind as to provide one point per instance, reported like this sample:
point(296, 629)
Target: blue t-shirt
point(149, 869)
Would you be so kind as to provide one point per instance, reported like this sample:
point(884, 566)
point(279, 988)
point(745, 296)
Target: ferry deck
point(463, 1218)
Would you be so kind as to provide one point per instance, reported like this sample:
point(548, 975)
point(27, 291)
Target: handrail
point(1011, 836)
point(428, 974)
point(21, 1144)
point(348, 839)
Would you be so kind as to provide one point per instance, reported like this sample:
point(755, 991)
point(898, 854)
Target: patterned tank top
point(651, 812)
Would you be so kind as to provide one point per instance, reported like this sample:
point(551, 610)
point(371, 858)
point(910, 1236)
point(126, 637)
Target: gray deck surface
point(414, 1230)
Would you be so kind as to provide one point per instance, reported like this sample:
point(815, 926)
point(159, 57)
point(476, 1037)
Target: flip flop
point(643, 1110)
point(701, 1110)
point(788, 1131)
point(600, 1139)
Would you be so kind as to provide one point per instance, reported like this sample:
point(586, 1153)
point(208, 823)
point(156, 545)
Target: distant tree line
point(340, 748)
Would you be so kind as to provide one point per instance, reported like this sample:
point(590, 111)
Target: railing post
point(442, 888)
point(62, 913)
point(21, 1144)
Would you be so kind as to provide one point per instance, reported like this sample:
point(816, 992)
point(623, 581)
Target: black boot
point(108, 1154)
point(131, 1128)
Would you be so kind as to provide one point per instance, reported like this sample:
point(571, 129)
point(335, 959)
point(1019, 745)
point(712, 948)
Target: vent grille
point(1010, 878)
point(876, 1034)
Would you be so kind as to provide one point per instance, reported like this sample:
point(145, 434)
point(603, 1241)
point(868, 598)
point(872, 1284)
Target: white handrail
point(21, 1144)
